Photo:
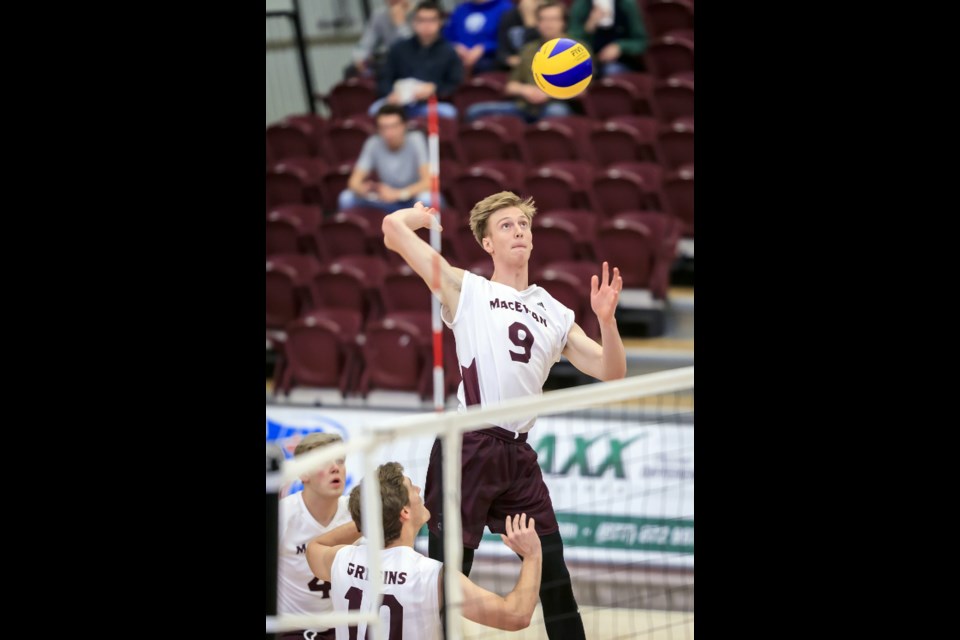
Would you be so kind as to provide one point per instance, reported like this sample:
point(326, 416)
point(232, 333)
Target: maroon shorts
point(500, 477)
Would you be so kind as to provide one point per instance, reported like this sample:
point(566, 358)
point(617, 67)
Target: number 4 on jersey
point(316, 585)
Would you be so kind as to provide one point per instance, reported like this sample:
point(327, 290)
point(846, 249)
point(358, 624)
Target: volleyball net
point(618, 460)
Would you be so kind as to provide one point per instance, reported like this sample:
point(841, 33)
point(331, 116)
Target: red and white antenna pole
point(433, 130)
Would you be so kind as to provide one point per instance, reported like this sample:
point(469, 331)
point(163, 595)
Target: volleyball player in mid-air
point(508, 334)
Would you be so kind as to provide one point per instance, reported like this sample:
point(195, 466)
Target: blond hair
point(394, 496)
point(316, 439)
point(491, 204)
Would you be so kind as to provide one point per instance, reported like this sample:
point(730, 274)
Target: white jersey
point(298, 590)
point(507, 341)
point(411, 606)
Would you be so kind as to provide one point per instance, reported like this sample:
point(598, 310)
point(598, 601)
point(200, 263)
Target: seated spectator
point(612, 28)
point(419, 67)
point(531, 102)
point(472, 30)
point(387, 25)
point(517, 27)
point(400, 159)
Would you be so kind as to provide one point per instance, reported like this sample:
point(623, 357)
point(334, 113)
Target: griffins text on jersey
point(389, 577)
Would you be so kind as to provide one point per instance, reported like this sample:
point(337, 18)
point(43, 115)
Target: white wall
point(327, 60)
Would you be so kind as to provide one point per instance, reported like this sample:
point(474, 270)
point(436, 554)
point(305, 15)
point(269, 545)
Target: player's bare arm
point(346, 533)
point(512, 612)
point(320, 558)
point(609, 361)
point(399, 235)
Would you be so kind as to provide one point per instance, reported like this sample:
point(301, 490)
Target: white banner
point(622, 489)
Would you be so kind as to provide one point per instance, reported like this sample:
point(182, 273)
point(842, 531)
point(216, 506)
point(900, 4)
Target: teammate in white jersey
point(508, 335)
point(413, 583)
point(319, 508)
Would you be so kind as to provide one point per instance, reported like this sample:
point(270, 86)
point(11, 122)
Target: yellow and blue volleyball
point(562, 68)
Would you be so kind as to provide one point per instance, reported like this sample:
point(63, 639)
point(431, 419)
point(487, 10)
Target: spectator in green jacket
point(614, 30)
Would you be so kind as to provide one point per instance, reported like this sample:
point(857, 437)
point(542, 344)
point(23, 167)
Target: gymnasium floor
point(602, 624)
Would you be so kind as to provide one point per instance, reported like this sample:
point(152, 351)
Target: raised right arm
point(399, 235)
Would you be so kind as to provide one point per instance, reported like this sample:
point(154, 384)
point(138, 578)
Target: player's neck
point(322, 509)
point(512, 276)
point(407, 537)
point(402, 541)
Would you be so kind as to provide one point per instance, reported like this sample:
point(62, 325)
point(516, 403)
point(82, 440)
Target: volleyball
point(562, 68)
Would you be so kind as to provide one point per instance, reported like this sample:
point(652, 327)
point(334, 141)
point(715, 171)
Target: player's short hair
point(393, 494)
point(316, 439)
point(491, 204)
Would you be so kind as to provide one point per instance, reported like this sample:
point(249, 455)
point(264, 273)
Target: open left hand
point(604, 294)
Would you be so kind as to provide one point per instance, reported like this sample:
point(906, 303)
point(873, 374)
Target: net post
point(452, 532)
point(433, 130)
point(372, 517)
point(273, 484)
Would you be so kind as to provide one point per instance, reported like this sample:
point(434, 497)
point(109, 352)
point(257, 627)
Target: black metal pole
point(274, 459)
point(302, 49)
point(365, 5)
